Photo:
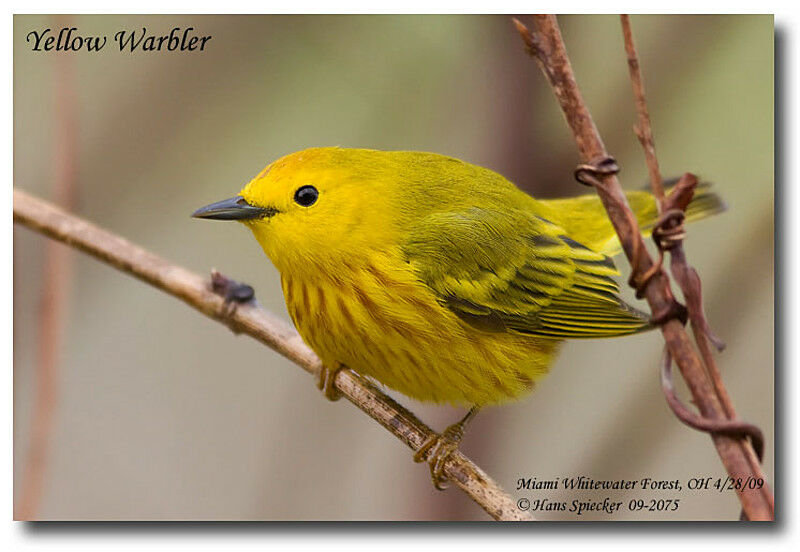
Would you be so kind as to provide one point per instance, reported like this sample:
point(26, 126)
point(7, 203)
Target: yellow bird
point(437, 278)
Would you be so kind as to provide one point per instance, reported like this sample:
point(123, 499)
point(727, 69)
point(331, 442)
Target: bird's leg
point(438, 448)
point(235, 293)
point(326, 382)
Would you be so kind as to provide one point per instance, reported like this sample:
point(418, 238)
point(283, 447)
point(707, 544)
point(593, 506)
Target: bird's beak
point(235, 208)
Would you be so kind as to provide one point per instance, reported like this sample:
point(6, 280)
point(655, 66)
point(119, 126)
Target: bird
point(435, 277)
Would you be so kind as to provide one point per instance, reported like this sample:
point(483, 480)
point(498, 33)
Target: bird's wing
point(511, 271)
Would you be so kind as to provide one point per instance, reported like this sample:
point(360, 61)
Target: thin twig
point(53, 304)
point(546, 45)
point(263, 326)
point(643, 130)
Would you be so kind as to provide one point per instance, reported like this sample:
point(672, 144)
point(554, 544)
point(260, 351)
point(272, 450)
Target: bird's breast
point(376, 318)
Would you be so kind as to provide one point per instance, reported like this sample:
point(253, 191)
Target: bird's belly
point(395, 332)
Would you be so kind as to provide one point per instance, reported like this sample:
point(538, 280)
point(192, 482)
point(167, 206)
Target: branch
point(263, 326)
point(546, 45)
point(643, 130)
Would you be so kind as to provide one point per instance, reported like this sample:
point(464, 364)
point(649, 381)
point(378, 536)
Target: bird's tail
point(581, 221)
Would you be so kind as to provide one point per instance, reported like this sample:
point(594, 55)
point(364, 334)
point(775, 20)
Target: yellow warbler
point(435, 277)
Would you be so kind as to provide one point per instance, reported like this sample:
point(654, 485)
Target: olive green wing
point(511, 271)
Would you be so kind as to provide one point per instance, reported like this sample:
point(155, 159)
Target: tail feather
point(579, 215)
point(705, 203)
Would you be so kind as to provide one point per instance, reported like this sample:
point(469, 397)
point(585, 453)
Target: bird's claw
point(326, 382)
point(436, 450)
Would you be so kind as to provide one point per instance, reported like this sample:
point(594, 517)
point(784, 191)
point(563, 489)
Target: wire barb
point(589, 174)
point(668, 233)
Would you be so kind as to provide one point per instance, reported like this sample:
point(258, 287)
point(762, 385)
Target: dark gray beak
point(235, 208)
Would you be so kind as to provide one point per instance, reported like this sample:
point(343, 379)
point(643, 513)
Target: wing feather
point(540, 283)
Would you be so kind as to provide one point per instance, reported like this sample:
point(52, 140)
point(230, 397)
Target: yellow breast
point(374, 317)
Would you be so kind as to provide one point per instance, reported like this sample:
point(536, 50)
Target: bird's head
point(317, 206)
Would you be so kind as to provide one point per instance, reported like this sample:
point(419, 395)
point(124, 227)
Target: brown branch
point(546, 45)
point(643, 130)
point(53, 304)
point(263, 326)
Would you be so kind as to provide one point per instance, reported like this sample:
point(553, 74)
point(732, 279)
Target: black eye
point(306, 196)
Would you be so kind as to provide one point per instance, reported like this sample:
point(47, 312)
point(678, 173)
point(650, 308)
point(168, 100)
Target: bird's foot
point(326, 382)
point(437, 449)
point(234, 293)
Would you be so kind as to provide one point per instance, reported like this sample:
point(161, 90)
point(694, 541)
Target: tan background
point(163, 414)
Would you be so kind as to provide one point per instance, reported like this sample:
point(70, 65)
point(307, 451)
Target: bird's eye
point(306, 196)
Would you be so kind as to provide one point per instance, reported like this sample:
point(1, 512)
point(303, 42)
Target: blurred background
point(151, 411)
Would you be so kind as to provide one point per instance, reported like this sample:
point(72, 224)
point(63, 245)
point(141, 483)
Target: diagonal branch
point(546, 46)
point(263, 326)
